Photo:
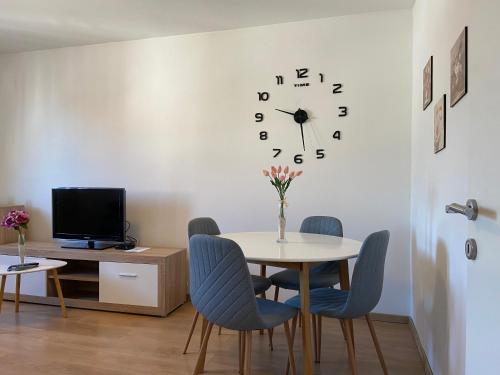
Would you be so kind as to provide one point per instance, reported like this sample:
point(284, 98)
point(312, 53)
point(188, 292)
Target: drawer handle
point(125, 274)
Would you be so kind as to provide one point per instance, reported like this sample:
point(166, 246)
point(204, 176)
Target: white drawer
point(128, 283)
point(32, 284)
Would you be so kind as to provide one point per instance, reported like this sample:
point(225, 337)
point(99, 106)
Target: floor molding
point(390, 318)
point(421, 351)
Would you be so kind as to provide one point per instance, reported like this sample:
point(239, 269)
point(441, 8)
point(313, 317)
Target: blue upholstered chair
point(361, 299)
point(322, 276)
point(207, 225)
point(222, 291)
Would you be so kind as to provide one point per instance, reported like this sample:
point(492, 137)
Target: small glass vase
point(282, 221)
point(21, 246)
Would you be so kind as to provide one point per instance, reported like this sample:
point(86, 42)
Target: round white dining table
point(300, 251)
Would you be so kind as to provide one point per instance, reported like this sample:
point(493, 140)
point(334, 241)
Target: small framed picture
point(427, 84)
point(440, 125)
point(458, 69)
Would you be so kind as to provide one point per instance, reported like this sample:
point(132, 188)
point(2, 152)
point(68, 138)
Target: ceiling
point(42, 24)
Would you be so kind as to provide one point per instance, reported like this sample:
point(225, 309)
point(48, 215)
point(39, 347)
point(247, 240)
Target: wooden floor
point(39, 341)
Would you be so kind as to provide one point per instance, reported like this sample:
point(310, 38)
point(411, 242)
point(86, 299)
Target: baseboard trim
point(421, 351)
point(390, 318)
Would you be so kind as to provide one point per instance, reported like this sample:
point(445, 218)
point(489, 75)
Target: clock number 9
point(337, 135)
point(298, 159)
point(263, 135)
point(320, 153)
point(259, 117)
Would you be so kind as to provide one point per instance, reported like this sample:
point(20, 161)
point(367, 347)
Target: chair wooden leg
point(220, 330)
point(291, 358)
point(204, 324)
point(248, 353)
point(59, 293)
point(343, 329)
point(276, 293)
point(350, 349)
point(2, 289)
point(200, 364)
point(18, 288)
point(315, 337)
point(270, 334)
point(377, 344)
point(294, 329)
point(193, 326)
point(319, 338)
point(241, 351)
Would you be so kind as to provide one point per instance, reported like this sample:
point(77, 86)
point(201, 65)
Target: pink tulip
point(285, 171)
point(299, 173)
point(265, 173)
point(279, 169)
point(282, 178)
point(292, 174)
point(273, 169)
point(273, 174)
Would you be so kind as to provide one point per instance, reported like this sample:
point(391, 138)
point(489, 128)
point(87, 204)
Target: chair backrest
point(203, 225)
point(327, 225)
point(220, 286)
point(368, 276)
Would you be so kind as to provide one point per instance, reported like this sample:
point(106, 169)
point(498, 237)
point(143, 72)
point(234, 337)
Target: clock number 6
point(259, 117)
point(263, 135)
point(298, 159)
point(320, 153)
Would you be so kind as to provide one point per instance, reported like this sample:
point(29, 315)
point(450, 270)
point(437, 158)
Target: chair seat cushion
point(274, 313)
point(260, 284)
point(325, 301)
point(289, 279)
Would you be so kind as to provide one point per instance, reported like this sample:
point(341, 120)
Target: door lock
point(471, 249)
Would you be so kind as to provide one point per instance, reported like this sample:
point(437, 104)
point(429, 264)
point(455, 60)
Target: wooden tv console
point(153, 282)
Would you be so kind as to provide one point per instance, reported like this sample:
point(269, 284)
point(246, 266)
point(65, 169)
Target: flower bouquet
point(18, 220)
point(281, 180)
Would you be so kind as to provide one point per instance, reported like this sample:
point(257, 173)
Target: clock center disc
point(300, 116)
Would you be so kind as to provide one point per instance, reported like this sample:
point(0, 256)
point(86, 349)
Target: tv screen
point(92, 214)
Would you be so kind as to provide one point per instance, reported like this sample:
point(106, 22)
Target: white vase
point(282, 221)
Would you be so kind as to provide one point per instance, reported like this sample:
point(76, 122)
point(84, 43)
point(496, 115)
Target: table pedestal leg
point(306, 318)
point(2, 289)
point(18, 289)
point(59, 292)
point(346, 285)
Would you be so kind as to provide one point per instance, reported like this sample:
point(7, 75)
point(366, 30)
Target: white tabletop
point(45, 265)
point(300, 247)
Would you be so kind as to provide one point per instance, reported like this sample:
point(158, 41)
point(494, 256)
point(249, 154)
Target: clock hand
point(290, 113)
point(302, 133)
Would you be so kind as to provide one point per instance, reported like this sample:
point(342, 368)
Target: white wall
point(171, 119)
point(438, 265)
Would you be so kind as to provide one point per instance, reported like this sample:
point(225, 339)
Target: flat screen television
point(89, 214)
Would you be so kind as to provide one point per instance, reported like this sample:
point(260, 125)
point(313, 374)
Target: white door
point(483, 286)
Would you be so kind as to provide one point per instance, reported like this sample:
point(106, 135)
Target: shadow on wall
point(431, 302)
point(158, 218)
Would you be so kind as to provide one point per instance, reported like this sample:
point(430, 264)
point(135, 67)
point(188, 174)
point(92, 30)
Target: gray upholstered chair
point(366, 289)
point(322, 276)
point(207, 225)
point(222, 291)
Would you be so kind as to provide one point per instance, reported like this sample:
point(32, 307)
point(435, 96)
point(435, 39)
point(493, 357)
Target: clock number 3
point(343, 111)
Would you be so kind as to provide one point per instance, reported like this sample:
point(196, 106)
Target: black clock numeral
point(337, 88)
point(321, 77)
point(263, 135)
point(302, 73)
point(279, 80)
point(263, 96)
point(343, 111)
point(337, 135)
point(277, 152)
point(259, 117)
point(298, 159)
point(320, 153)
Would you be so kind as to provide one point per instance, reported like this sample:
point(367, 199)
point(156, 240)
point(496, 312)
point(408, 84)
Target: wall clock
point(300, 118)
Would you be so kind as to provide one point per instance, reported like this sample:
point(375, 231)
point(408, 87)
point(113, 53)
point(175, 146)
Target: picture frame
point(440, 125)
point(459, 68)
point(427, 84)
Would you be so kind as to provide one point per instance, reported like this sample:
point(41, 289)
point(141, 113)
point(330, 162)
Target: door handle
point(470, 210)
point(126, 274)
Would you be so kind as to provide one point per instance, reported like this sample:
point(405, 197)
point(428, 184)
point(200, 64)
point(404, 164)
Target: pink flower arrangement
point(281, 178)
point(17, 220)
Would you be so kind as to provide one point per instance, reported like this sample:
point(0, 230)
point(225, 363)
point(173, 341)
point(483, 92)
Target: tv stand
point(92, 245)
point(152, 282)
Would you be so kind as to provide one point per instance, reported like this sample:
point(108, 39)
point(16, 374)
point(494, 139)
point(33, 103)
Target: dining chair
point(207, 225)
point(222, 291)
point(360, 300)
point(323, 275)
